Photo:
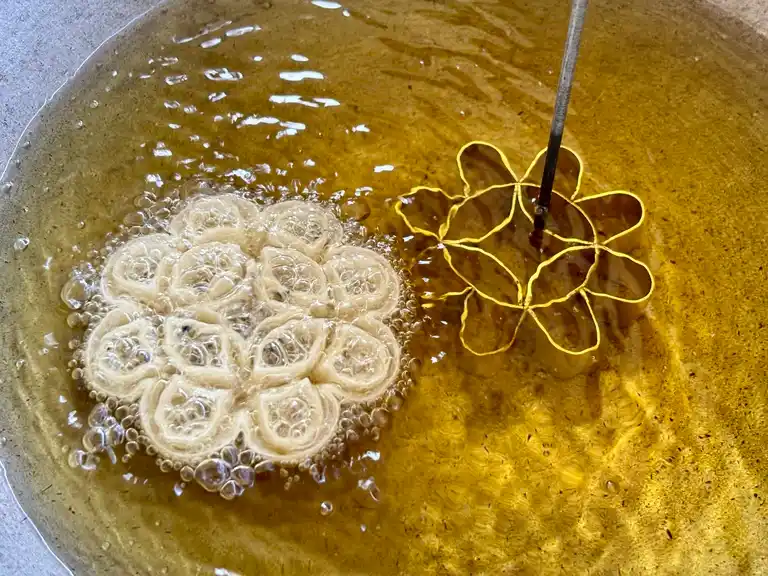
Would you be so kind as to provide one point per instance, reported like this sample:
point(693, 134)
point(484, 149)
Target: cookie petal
point(186, 421)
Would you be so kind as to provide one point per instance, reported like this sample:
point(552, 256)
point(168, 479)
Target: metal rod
point(576, 23)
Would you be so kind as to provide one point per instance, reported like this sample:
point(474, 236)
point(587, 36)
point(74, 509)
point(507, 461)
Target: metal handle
point(576, 23)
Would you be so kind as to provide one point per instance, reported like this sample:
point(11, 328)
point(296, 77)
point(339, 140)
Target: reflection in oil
point(36, 549)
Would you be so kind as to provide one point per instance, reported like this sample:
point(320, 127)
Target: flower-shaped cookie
point(244, 322)
point(483, 252)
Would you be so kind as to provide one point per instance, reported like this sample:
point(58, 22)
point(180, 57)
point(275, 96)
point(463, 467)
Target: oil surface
point(653, 461)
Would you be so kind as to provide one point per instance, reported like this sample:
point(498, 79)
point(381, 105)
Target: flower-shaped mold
point(482, 251)
point(269, 324)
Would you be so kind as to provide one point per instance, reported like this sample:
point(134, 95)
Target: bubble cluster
point(236, 341)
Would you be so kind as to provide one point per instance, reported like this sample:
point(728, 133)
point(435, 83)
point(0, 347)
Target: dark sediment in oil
point(653, 460)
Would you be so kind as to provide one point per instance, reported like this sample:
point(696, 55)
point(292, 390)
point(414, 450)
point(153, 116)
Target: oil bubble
point(230, 490)
point(326, 508)
point(90, 462)
point(346, 423)
point(395, 403)
point(380, 416)
point(317, 473)
point(264, 468)
point(244, 476)
point(98, 415)
point(212, 473)
point(187, 473)
point(76, 458)
point(95, 440)
point(115, 435)
point(21, 243)
point(369, 485)
point(247, 457)
point(230, 455)
point(75, 293)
